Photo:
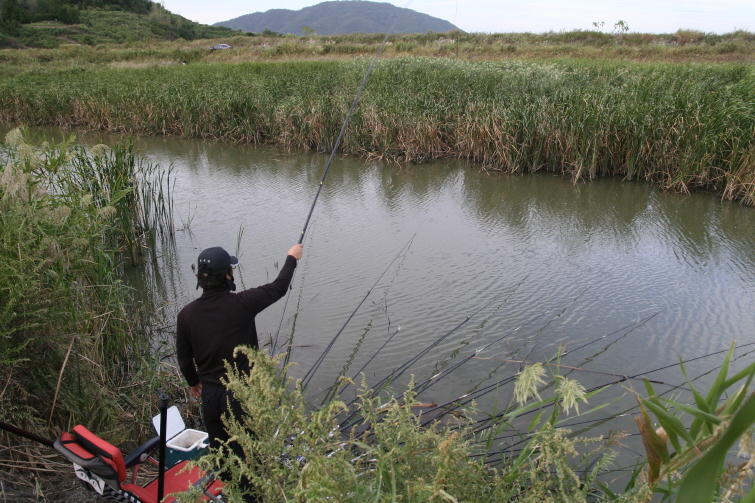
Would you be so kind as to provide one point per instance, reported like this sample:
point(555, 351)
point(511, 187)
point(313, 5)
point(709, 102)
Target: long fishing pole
point(622, 379)
point(26, 434)
point(477, 394)
point(327, 168)
point(401, 369)
point(356, 374)
point(640, 323)
point(311, 372)
point(462, 400)
point(443, 373)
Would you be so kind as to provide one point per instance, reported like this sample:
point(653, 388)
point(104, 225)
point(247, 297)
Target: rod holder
point(164, 402)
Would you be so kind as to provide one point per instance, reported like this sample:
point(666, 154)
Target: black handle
point(164, 402)
point(26, 434)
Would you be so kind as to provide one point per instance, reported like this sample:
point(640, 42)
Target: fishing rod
point(627, 413)
point(639, 324)
point(370, 360)
point(401, 369)
point(468, 397)
point(443, 373)
point(522, 362)
point(622, 379)
point(420, 388)
point(311, 372)
point(514, 451)
point(626, 378)
point(26, 434)
point(330, 162)
point(335, 384)
point(476, 393)
point(563, 426)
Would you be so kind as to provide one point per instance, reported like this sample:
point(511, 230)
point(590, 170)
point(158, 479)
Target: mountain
point(338, 18)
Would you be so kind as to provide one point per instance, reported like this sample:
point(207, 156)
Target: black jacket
point(211, 327)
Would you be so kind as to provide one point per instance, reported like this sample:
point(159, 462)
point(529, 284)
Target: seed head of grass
point(528, 382)
point(26, 153)
point(14, 182)
point(747, 445)
point(106, 212)
point(62, 213)
point(99, 150)
point(14, 138)
point(571, 393)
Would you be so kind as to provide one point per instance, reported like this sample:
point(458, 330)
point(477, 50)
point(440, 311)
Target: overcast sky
point(491, 16)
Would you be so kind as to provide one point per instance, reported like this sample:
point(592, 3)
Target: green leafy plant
point(292, 453)
point(693, 468)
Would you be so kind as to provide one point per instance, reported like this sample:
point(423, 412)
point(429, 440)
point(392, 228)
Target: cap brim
point(234, 261)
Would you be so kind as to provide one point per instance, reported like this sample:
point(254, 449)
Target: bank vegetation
point(75, 344)
point(683, 126)
point(523, 451)
point(76, 347)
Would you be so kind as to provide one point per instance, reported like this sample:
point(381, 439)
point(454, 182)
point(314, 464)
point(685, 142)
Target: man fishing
point(211, 327)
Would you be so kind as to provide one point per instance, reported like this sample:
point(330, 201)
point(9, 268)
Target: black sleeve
point(185, 353)
point(263, 296)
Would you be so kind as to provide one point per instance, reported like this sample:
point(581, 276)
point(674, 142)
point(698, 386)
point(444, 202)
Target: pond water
point(550, 264)
point(646, 278)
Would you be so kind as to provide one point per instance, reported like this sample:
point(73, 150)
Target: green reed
point(72, 221)
point(681, 125)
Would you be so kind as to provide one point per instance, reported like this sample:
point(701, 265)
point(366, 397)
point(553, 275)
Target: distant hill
point(48, 24)
point(338, 18)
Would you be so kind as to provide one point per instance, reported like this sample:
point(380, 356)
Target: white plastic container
point(182, 443)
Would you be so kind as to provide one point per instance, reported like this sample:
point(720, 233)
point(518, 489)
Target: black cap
point(216, 259)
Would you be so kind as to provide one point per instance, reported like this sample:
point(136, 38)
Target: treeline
point(40, 23)
point(16, 12)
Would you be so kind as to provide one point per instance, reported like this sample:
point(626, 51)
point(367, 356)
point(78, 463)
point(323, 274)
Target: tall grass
point(72, 348)
point(293, 453)
point(682, 126)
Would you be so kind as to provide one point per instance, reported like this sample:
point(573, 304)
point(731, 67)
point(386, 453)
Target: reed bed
point(681, 126)
point(73, 345)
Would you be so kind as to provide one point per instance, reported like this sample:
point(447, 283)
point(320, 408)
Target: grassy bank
point(682, 126)
point(72, 344)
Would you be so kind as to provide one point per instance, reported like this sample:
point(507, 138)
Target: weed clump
point(294, 453)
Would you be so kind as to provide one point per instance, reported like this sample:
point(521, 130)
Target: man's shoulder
point(188, 308)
